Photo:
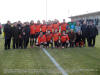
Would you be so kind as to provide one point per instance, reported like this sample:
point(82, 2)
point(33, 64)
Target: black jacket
point(94, 31)
point(15, 32)
point(83, 29)
point(26, 32)
point(78, 37)
point(91, 31)
point(72, 37)
point(7, 31)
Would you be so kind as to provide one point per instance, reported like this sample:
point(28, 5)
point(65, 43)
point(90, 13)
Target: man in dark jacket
point(27, 30)
point(19, 25)
point(8, 35)
point(94, 33)
point(25, 35)
point(15, 35)
point(83, 29)
point(91, 32)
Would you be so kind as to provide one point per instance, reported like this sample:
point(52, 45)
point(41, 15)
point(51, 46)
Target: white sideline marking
point(54, 61)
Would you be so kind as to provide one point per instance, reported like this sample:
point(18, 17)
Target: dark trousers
point(50, 43)
point(44, 32)
point(56, 43)
point(24, 42)
point(91, 41)
point(20, 42)
point(7, 43)
point(64, 44)
point(31, 42)
point(32, 37)
point(27, 41)
point(42, 44)
point(72, 44)
point(15, 43)
point(36, 36)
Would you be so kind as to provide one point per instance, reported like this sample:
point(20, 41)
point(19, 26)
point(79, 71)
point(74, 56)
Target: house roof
point(88, 14)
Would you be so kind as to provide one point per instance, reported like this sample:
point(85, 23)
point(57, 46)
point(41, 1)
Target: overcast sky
point(26, 10)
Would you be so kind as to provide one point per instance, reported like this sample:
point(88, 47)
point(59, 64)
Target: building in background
point(95, 17)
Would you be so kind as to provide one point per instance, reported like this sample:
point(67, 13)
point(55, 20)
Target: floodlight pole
point(46, 11)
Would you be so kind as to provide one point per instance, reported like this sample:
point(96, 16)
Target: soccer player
point(43, 27)
point(49, 39)
point(32, 33)
point(64, 39)
point(55, 25)
point(38, 26)
point(56, 36)
point(41, 41)
point(63, 26)
point(49, 26)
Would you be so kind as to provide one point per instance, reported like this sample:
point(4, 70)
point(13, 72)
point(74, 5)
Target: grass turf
point(79, 61)
point(25, 62)
point(75, 61)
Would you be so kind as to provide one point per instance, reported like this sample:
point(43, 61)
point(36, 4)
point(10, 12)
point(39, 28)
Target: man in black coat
point(19, 26)
point(15, 35)
point(91, 32)
point(94, 34)
point(25, 35)
point(88, 34)
point(83, 29)
point(27, 30)
point(8, 35)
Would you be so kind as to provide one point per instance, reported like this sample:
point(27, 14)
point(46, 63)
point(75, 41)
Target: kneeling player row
point(59, 39)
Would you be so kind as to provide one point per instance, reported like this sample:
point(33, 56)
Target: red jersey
point(41, 39)
point(56, 26)
point(64, 38)
point(63, 26)
point(49, 27)
point(32, 29)
point(56, 36)
point(43, 28)
point(48, 37)
point(38, 28)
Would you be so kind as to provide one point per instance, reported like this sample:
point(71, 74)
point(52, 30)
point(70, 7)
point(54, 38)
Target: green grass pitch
point(75, 61)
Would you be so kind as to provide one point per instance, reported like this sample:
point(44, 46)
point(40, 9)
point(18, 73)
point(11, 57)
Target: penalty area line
point(55, 62)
